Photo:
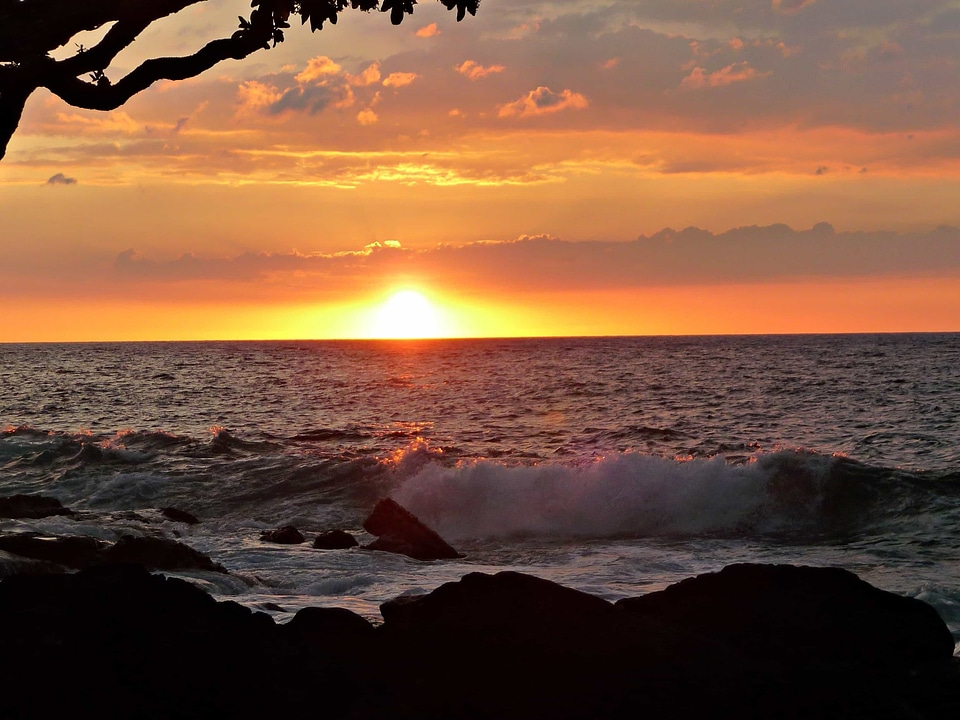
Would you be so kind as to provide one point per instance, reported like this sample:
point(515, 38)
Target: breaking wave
point(786, 493)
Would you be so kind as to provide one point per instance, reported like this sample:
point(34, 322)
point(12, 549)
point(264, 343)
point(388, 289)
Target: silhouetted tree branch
point(31, 29)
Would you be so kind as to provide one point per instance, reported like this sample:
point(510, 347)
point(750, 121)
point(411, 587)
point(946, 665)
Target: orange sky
point(517, 169)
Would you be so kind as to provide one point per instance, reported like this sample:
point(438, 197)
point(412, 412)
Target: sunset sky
point(575, 167)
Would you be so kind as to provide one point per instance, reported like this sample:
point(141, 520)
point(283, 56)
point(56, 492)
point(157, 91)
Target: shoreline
point(748, 641)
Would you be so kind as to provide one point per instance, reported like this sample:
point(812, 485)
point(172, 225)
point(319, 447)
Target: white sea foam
point(624, 495)
point(118, 490)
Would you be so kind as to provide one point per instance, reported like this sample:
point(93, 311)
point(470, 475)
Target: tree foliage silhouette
point(31, 29)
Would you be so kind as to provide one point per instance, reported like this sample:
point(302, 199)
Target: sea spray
point(786, 493)
point(624, 495)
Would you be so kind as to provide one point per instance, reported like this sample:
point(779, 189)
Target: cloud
point(791, 6)
point(255, 266)
point(829, 62)
point(734, 73)
point(543, 101)
point(750, 254)
point(318, 68)
point(114, 123)
point(476, 71)
point(369, 76)
point(428, 31)
point(399, 79)
point(367, 117)
point(321, 84)
point(254, 96)
point(61, 179)
point(311, 99)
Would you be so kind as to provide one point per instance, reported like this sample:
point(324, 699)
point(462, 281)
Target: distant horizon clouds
point(667, 258)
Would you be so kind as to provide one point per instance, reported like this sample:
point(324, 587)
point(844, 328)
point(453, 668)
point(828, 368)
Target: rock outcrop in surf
point(78, 552)
point(286, 535)
point(31, 507)
point(400, 531)
point(335, 540)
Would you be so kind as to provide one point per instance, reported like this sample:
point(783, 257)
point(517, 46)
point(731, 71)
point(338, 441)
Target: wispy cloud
point(753, 254)
point(61, 179)
point(791, 6)
point(543, 101)
point(399, 79)
point(476, 71)
point(428, 31)
point(733, 73)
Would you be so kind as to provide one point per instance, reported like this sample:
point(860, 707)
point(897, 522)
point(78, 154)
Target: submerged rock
point(72, 551)
point(79, 552)
point(286, 535)
point(399, 531)
point(88, 454)
point(181, 516)
point(335, 540)
point(31, 507)
point(11, 565)
point(159, 554)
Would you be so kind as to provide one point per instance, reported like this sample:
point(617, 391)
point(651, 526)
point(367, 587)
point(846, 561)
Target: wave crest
point(635, 495)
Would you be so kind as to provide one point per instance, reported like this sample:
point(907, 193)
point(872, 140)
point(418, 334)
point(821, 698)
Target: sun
point(407, 314)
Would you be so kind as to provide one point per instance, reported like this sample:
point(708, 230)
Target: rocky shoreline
point(759, 641)
point(749, 641)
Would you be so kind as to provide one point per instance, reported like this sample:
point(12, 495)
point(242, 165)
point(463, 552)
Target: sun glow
point(406, 314)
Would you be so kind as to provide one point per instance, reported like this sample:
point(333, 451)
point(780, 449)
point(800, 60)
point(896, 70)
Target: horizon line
point(487, 337)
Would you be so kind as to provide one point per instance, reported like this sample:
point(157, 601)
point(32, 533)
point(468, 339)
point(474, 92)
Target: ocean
point(613, 465)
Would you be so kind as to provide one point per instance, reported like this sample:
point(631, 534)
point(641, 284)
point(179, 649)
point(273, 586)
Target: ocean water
point(613, 465)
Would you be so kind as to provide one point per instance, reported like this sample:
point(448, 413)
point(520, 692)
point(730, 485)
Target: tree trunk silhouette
point(31, 29)
point(12, 102)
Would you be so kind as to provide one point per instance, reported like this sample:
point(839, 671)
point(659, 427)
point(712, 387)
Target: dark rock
point(399, 531)
point(505, 646)
point(862, 650)
point(507, 600)
point(11, 564)
point(709, 647)
point(88, 454)
point(181, 516)
point(335, 540)
point(286, 535)
point(335, 627)
point(800, 615)
point(159, 554)
point(540, 650)
point(135, 645)
point(73, 551)
point(31, 506)
point(80, 552)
